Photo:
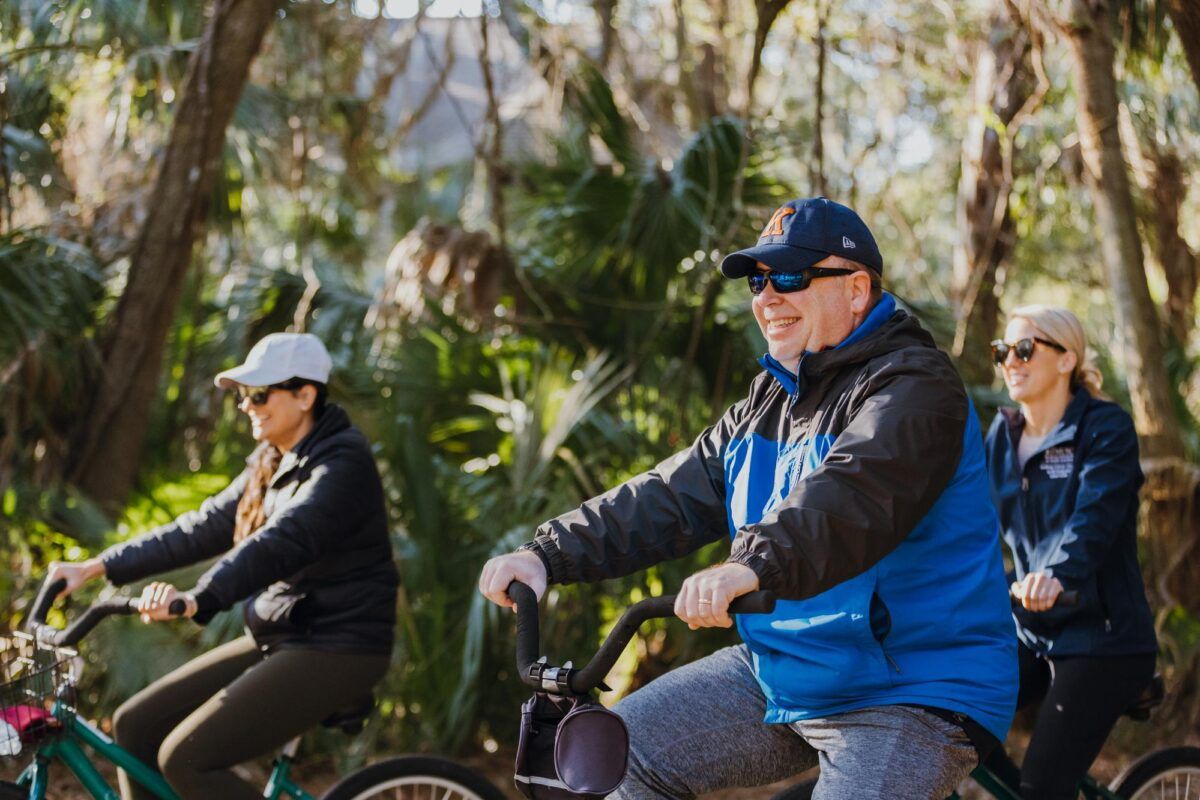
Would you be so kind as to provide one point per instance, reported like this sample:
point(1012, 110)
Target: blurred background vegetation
point(503, 220)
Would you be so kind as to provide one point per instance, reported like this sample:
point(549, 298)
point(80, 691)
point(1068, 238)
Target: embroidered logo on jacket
point(1057, 462)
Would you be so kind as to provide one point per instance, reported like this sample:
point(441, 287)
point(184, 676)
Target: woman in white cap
point(303, 535)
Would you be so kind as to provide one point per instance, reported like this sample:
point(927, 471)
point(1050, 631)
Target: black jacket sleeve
point(668, 512)
point(193, 537)
point(1109, 478)
point(335, 499)
point(886, 469)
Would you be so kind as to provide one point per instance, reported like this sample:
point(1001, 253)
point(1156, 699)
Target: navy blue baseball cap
point(803, 232)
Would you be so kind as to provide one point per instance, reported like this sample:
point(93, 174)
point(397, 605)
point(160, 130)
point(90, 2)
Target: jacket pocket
point(822, 651)
point(880, 618)
point(276, 615)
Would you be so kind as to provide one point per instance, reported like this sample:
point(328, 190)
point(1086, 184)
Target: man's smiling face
point(814, 319)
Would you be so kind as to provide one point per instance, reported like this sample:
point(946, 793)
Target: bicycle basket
point(33, 677)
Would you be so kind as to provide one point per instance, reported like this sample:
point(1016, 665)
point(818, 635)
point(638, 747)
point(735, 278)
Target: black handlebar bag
point(570, 747)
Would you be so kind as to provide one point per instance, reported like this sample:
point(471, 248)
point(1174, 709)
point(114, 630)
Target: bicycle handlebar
point(1069, 598)
point(83, 624)
point(585, 679)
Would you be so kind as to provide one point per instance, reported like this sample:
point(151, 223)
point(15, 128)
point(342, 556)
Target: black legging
point(1082, 698)
point(231, 705)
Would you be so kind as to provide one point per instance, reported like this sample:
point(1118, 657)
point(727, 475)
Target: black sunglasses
point(787, 282)
point(1022, 347)
point(257, 395)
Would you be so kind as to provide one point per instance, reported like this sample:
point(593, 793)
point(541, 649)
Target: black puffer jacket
point(319, 574)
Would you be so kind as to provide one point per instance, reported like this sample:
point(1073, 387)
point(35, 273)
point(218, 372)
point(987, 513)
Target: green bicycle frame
point(68, 748)
point(999, 790)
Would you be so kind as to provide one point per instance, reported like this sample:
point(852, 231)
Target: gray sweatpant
point(700, 728)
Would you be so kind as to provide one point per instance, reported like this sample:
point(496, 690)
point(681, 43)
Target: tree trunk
point(606, 11)
point(110, 437)
point(1170, 249)
point(1088, 29)
point(819, 183)
point(766, 12)
point(1185, 16)
point(1160, 175)
point(1003, 84)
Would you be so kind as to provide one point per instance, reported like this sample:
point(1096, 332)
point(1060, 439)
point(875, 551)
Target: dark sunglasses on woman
point(1022, 347)
point(257, 395)
point(788, 282)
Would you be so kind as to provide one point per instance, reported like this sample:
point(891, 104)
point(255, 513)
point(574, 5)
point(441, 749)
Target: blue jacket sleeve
point(1109, 479)
point(193, 537)
point(333, 500)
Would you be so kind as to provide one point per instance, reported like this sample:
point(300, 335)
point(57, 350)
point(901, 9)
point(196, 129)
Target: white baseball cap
point(279, 357)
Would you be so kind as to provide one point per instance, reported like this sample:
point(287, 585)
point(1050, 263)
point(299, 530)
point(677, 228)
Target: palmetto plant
point(49, 295)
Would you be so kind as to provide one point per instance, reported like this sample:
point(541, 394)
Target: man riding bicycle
point(851, 481)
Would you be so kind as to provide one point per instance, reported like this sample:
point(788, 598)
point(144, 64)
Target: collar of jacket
point(883, 311)
point(1064, 431)
point(333, 421)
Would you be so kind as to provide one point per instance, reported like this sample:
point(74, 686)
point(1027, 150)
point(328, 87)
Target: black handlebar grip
point(45, 599)
point(1068, 598)
point(527, 626)
point(754, 603)
point(177, 607)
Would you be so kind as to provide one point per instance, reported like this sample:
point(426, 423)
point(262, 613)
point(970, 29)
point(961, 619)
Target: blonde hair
point(1061, 326)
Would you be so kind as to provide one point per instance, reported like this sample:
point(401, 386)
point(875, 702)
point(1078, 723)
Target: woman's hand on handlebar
point(703, 600)
point(1037, 592)
point(156, 599)
point(74, 573)
point(499, 572)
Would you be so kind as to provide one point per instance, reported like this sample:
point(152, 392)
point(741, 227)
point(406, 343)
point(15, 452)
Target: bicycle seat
point(351, 719)
point(1151, 698)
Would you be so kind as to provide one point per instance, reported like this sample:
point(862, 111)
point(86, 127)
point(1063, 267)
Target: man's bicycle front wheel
point(1171, 774)
point(411, 777)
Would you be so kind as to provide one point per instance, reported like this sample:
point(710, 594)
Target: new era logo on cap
point(846, 242)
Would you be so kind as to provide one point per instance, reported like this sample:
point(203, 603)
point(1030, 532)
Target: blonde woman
point(1064, 475)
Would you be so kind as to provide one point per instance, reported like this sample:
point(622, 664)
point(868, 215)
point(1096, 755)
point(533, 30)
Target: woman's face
point(283, 418)
point(1042, 374)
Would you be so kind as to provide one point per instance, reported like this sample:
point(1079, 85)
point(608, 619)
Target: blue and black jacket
point(855, 489)
point(1072, 513)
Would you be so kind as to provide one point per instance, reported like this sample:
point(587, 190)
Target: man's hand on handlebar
point(499, 572)
point(1037, 592)
point(74, 573)
point(704, 598)
point(155, 602)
